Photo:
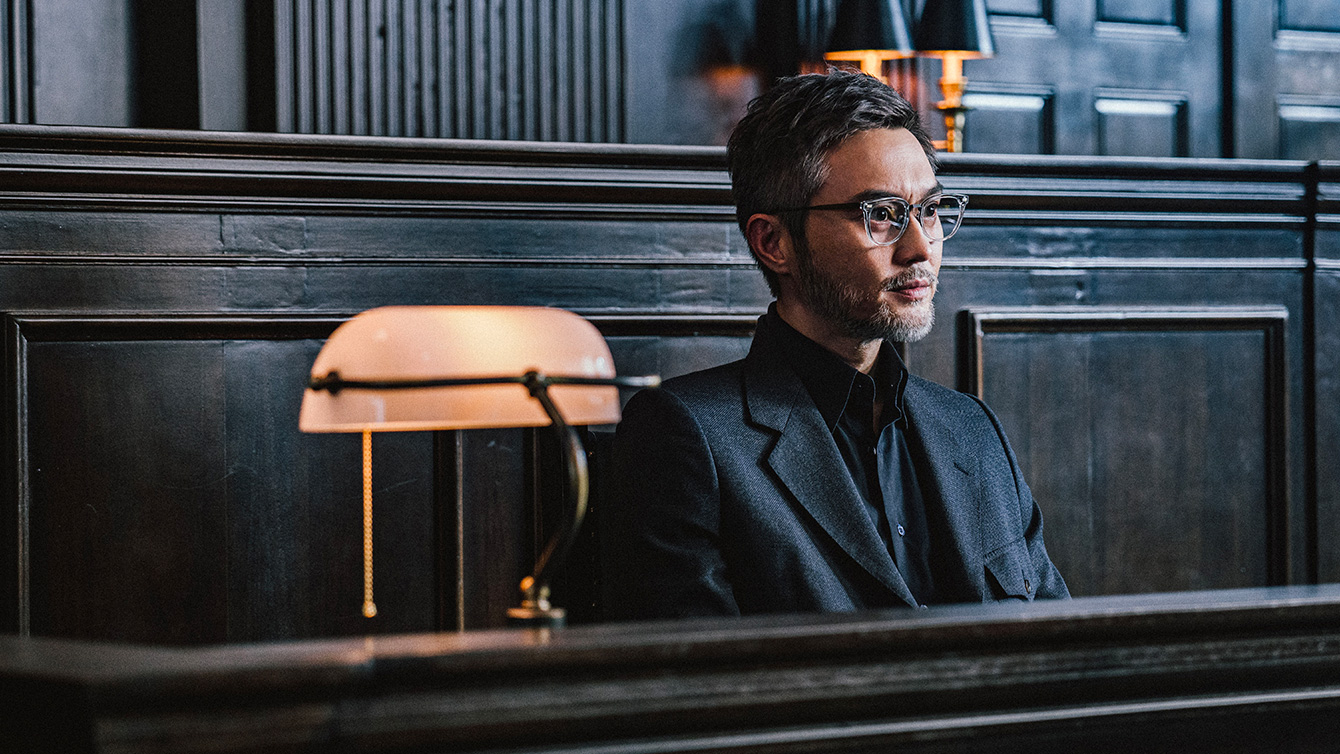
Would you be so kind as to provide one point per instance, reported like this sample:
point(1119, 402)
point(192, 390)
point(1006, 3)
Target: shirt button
point(901, 530)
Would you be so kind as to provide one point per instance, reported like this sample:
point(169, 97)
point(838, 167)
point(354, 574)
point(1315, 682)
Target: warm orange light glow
point(370, 376)
point(952, 85)
point(870, 61)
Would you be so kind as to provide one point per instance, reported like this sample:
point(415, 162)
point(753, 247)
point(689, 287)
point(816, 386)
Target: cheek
point(935, 255)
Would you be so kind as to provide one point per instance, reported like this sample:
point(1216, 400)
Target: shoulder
point(924, 391)
point(965, 413)
point(696, 399)
point(704, 388)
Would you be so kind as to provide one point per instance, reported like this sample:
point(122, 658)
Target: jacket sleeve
point(660, 525)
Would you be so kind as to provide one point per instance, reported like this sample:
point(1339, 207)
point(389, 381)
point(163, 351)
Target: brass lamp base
point(953, 85)
point(536, 617)
point(955, 117)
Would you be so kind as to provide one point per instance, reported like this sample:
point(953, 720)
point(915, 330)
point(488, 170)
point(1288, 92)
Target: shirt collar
point(829, 379)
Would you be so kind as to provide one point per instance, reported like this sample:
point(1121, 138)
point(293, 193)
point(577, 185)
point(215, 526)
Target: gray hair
point(778, 151)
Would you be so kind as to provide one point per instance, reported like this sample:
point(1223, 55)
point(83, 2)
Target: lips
point(913, 285)
point(915, 290)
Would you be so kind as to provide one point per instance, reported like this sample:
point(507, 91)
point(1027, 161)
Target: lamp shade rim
point(961, 26)
point(965, 54)
point(412, 344)
point(870, 25)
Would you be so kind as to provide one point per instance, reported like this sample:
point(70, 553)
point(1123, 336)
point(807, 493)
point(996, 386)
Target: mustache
point(919, 271)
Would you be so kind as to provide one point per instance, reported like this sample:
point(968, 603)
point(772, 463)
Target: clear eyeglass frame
point(877, 228)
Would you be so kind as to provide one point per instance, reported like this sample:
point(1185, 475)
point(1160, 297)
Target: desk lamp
point(869, 32)
point(954, 30)
point(403, 368)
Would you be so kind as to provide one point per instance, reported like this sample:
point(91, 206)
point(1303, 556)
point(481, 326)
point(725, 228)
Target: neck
point(860, 354)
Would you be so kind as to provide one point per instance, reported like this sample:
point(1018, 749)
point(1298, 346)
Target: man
point(816, 474)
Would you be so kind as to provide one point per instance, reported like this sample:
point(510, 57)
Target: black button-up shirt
point(874, 448)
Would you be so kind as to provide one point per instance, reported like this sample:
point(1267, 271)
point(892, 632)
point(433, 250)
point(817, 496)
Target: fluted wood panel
point(15, 68)
point(480, 69)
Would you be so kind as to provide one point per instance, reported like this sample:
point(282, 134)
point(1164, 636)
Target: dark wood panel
point(1131, 123)
point(1326, 420)
point(123, 524)
point(16, 76)
point(1169, 47)
point(1277, 67)
point(170, 497)
point(1011, 120)
point(1309, 15)
point(1326, 349)
point(82, 61)
point(1156, 12)
point(1154, 439)
point(1036, 9)
point(1309, 128)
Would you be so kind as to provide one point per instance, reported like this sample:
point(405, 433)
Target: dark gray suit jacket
point(730, 497)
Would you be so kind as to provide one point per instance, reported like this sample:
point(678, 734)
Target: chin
point(908, 326)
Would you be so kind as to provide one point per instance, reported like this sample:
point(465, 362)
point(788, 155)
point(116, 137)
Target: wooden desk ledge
point(1225, 668)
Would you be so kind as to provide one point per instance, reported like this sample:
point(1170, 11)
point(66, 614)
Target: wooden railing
point(1229, 671)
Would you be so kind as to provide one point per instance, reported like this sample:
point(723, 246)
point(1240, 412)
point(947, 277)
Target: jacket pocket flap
point(1011, 572)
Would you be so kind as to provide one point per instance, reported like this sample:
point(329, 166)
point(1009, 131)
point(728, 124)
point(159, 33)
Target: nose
point(913, 247)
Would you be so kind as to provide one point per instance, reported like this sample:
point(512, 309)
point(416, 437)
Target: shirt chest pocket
point(1009, 573)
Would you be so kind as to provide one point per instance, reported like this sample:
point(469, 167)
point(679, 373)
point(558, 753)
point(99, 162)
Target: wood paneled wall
point(16, 75)
point(1162, 78)
point(1324, 417)
point(501, 69)
point(1156, 335)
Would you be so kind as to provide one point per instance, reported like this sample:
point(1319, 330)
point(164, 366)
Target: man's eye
point(884, 213)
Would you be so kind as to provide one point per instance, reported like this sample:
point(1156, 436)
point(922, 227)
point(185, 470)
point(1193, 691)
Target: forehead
point(884, 160)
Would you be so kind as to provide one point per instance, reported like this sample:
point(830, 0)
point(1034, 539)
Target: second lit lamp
point(871, 32)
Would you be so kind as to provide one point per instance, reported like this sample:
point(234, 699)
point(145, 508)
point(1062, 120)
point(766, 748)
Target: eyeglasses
point(938, 216)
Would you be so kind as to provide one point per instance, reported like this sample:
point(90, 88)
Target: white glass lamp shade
point(398, 343)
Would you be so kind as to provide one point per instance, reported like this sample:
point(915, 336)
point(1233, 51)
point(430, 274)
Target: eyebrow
point(868, 194)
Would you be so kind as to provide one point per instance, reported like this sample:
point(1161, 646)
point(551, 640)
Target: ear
point(771, 242)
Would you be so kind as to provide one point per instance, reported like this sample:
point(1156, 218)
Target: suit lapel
point(808, 463)
point(950, 496)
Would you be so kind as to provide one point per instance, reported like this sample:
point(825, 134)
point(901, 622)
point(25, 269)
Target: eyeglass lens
point(938, 217)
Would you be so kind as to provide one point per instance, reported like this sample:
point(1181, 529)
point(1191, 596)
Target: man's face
point(866, 291)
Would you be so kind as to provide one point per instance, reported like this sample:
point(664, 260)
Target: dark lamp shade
point(955, 26)
point(870, 25)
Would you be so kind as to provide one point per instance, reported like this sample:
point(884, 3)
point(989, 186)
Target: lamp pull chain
point(369, 608)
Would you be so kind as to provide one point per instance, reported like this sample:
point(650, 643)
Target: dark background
point(1166, 78)
point(1156, 330)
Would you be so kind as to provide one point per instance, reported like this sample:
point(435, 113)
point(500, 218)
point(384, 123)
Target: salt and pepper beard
point(838, 303)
